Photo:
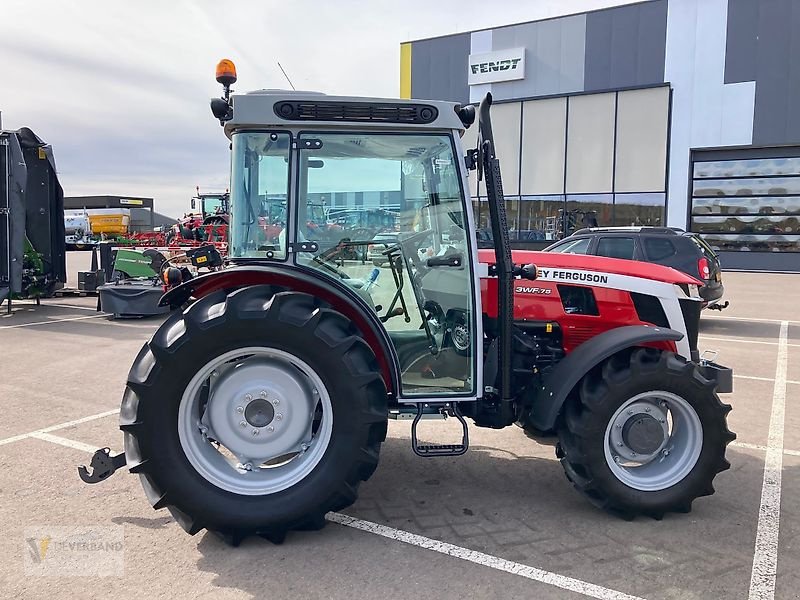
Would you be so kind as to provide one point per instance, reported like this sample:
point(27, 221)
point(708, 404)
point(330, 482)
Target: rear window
point(579, 246)
point(615, 247)
point(707, 250)
point(658, 248)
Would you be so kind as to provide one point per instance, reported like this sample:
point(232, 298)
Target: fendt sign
point(502, 65)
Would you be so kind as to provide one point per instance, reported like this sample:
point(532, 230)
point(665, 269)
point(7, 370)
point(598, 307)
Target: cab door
point(415, 266)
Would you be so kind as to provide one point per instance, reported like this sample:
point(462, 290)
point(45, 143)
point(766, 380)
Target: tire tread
point(300, 310)
point(583, 417)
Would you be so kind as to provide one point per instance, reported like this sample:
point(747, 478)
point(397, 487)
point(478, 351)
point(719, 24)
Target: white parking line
point(761, 320)
point(754, 378)
point(763, 448)
point(487, 560)
point(75, 306)
point(742, 341)
point(765, 560)
point(55, 439)
point(55, 321)
point(24, 436)
point(43, 304)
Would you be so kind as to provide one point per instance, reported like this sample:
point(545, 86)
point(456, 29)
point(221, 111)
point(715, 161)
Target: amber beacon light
point(226, 72)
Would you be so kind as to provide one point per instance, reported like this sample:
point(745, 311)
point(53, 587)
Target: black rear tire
point(265, 316)
point(582, 431)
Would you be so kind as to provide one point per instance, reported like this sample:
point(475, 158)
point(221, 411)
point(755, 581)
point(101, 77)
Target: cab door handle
point(448, 260)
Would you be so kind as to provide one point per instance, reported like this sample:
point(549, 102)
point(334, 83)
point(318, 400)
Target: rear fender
point(308, 281)
point(560, 382)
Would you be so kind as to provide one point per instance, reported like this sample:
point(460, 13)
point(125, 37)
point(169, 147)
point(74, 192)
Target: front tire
point(646, 434)
point(210, 369)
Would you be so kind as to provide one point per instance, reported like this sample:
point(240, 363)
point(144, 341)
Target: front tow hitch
point(103, 466)
point(722, 375)
point(718, 305)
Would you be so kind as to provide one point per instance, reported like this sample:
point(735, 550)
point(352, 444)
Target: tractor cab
point(211, 205)
point(306, 151)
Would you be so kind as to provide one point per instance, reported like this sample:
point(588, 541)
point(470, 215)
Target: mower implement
point(263, 402)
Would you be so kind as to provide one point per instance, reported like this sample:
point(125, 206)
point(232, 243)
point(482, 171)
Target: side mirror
point(529, 271)
point(466, 114)
point(221, 109)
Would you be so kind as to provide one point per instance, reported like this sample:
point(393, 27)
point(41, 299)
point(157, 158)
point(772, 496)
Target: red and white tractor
point(207, 221)
point(263, 403)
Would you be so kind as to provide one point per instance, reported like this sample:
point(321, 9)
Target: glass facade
point(747, 200)
point(578, 161)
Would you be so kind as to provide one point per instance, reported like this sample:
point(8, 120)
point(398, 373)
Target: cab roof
point(283, 108)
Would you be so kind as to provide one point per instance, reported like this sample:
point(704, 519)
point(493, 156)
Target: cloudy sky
point(121, 88)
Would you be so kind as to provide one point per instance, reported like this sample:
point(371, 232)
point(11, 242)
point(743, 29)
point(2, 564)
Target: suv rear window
point(707, 251)
point(615, 247)
point(579, 246)
point(658, 248)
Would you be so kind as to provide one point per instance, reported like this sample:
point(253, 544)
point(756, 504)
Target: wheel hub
point(260, 409)
point(259, 413)
point(640, 431)
point(643, 434)
point(653, 440)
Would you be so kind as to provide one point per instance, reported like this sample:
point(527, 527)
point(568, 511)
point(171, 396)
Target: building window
point(639, 209)
point(538, 218)
point(577, 161)
point(747, 200)
point(587, 210)
point(590, 143)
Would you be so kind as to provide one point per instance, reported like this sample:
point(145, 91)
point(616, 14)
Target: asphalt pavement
point(501, 521)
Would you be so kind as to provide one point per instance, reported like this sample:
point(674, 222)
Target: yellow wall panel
point(405, 70)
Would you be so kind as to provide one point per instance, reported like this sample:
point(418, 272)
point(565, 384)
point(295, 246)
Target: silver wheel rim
point(266, 424)
point(672, 460)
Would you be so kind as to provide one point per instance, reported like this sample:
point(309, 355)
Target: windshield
point(375, 183)
point(212, 205)
point(259, 190)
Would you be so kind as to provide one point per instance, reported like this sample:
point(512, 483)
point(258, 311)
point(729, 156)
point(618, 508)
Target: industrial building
point(681, 113)
point(142, 215)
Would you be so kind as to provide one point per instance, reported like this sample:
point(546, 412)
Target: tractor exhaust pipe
point(489, 167)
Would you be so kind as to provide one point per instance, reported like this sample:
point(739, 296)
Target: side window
point(580, 246)
point(615, 247)
point(259, 191)
point(658, 248)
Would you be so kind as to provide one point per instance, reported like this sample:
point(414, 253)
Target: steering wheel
point(333, 269)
